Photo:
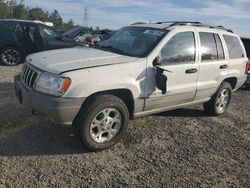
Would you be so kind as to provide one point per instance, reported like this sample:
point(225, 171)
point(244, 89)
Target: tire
point(220, 101)
point(11, 56)
point(248, 86)
point(102, 122)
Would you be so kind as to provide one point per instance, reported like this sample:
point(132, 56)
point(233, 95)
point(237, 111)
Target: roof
point(17, 20)
point(170, 24)
point(28, 21)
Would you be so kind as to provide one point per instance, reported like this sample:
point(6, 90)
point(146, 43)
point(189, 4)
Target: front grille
point(28, 75)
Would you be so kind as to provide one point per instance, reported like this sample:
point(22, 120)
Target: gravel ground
point(181, 148)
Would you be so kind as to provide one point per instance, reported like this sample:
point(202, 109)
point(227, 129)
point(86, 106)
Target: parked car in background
point(18, 38)
point(139, 70)
point(77, 34)
point(93, 39)
point(246, 42)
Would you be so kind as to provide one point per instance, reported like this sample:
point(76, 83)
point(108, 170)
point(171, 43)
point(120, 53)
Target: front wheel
point(102, 122)
point(11, 56)
point(219, 102)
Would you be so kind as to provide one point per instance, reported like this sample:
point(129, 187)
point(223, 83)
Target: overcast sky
point(234, 14)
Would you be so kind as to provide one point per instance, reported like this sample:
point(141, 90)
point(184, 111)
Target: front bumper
point(60, 110)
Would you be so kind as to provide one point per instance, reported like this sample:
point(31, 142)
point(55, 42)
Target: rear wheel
point(102, 122)
point(11, 56)
point(219, 102)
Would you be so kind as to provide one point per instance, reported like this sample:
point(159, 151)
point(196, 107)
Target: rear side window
point(235, 50)
point(180, 48)
point(211, 47)
point(220, 51)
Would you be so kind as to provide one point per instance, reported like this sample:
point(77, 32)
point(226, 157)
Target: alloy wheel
point(11, 56)
point(222, 100)
point(105, 125)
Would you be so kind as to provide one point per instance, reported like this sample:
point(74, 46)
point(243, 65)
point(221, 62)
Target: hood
point(61, 60)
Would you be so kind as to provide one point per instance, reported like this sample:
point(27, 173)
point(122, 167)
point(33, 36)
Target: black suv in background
point(77, 34)
point(246, 42)
point(19, 38)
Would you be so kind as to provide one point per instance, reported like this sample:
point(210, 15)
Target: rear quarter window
point(234, 47)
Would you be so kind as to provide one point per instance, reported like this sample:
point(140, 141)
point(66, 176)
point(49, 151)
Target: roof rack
point(187, 23)
point(178, 22)
point(198, 24)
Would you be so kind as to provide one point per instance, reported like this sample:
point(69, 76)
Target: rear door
point(213, 64)
point(28, 40)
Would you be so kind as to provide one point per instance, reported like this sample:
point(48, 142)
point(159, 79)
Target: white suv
point(139, 70)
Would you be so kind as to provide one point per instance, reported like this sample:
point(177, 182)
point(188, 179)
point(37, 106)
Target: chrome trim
point(29, 75)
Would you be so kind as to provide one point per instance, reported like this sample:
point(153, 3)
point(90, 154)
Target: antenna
point(86, 14)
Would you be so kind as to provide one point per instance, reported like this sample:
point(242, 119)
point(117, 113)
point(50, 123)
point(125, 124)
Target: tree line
point(14, 9)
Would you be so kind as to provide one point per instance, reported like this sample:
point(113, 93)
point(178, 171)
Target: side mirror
point(161, 79)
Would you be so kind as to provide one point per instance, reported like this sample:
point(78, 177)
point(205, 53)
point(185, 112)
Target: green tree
point(56, 19)
point(11, 5)
point(38, 14)
point(4, 13)
point(20, 11)
point(69, 25)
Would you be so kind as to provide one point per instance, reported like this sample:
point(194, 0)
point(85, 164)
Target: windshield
point(48, 32)
point(132, 41)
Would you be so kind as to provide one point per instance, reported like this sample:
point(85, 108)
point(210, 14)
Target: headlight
point(52, 84)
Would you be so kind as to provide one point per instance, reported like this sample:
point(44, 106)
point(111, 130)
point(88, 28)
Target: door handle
point(191, 71)
point(223, 66)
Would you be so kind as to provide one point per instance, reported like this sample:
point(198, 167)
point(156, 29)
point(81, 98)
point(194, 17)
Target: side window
point(32, 31)
point(180, 48)
point(19, 32)
point(235, 50)
point(208, 46)
point(47, 32)
point(220, 51)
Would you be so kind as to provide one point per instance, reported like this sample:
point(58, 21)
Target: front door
point(178, 58)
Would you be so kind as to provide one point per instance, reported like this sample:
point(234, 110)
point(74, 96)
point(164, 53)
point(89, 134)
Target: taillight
point(248, 67)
